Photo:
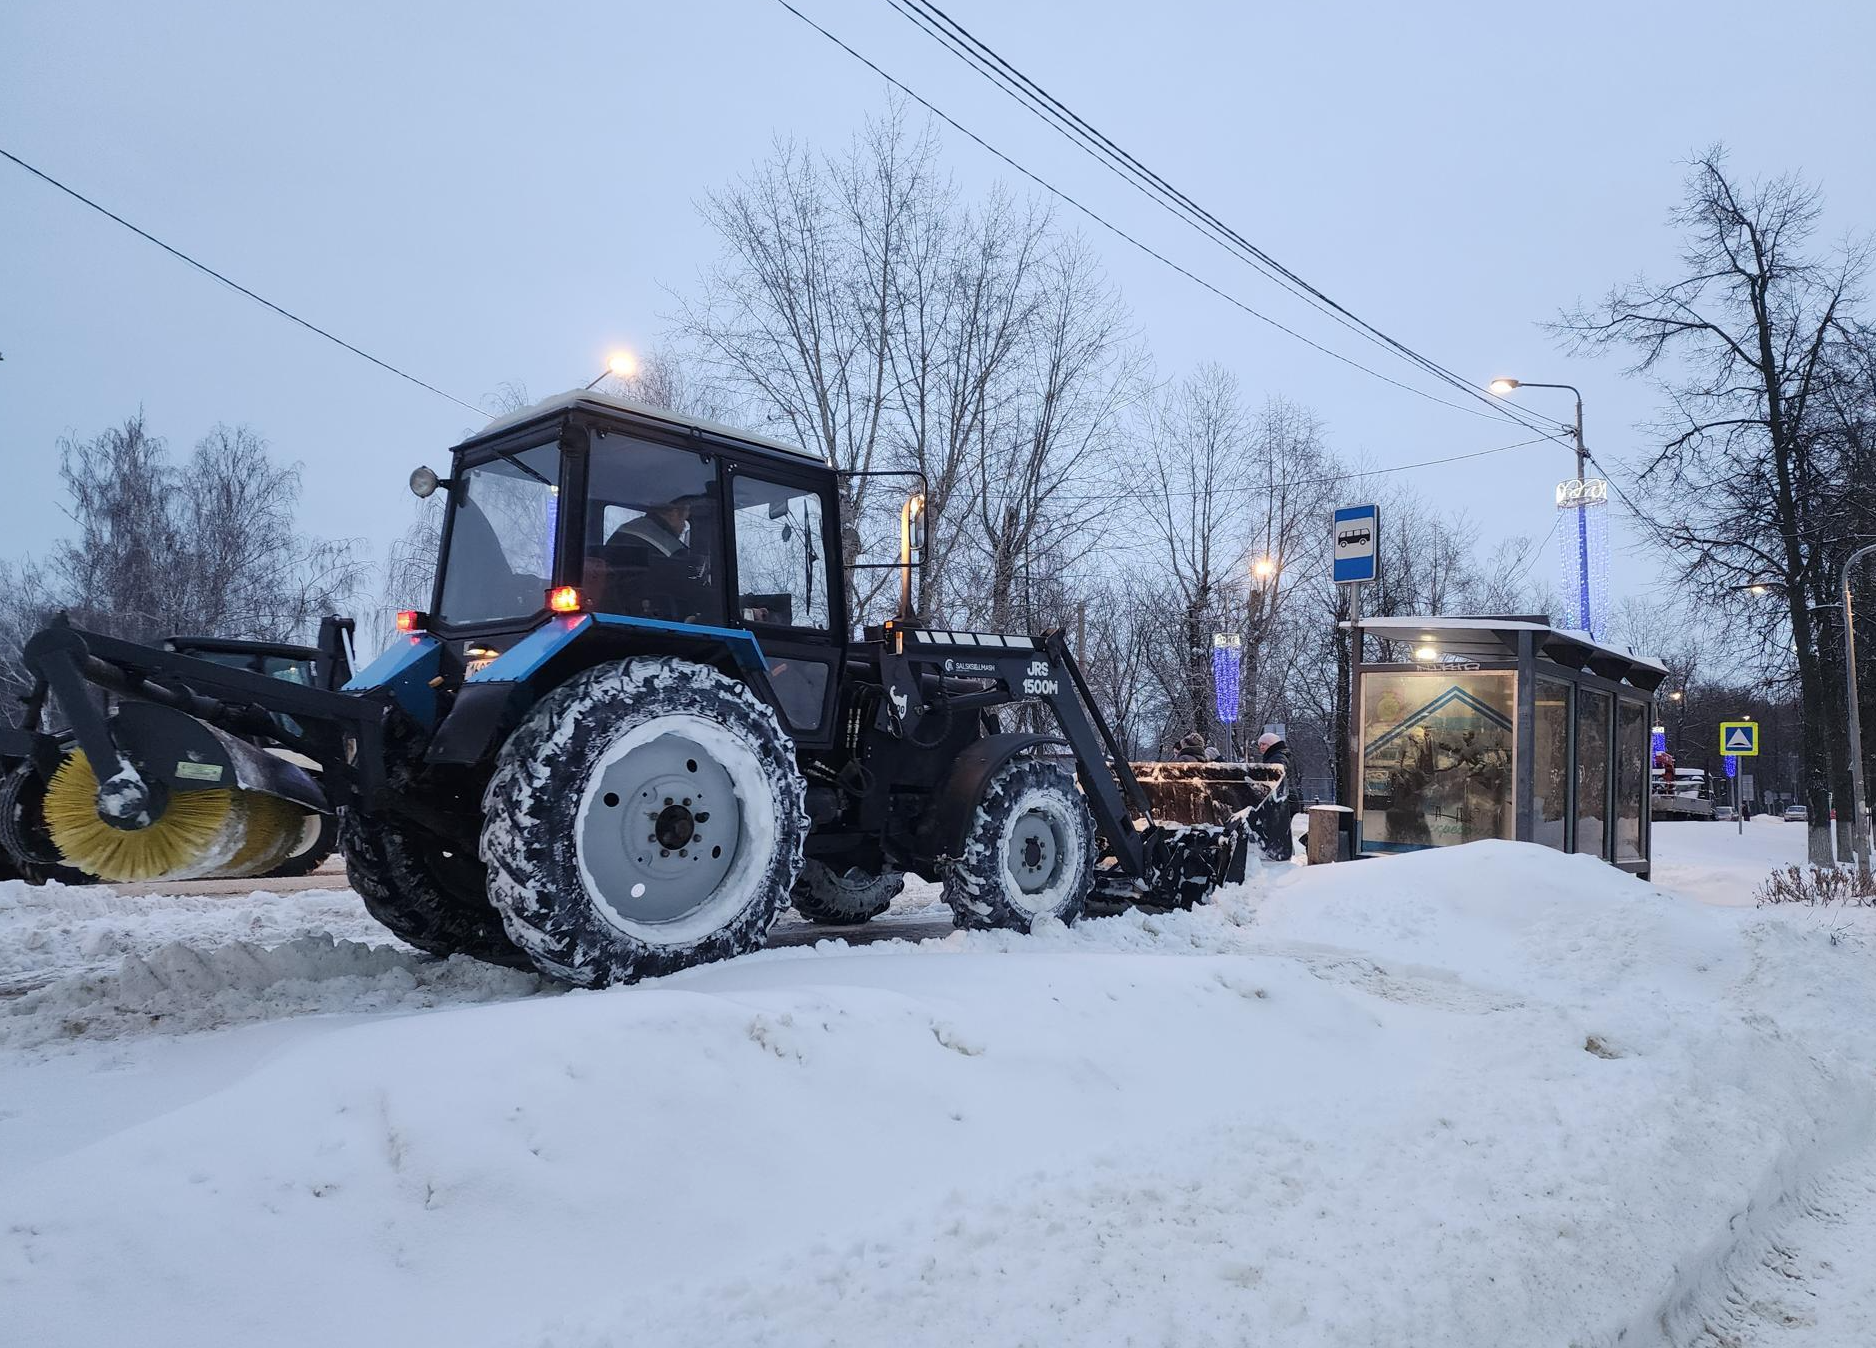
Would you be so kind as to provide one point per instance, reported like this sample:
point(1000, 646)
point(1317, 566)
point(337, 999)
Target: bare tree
point(1077, 376)
point(796, 318)
point(1744, 341)
point(965, 304)
point(208, 547)
point(1198, 480)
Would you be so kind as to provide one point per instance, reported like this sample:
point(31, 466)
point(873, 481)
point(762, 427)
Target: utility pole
point(1859, 824)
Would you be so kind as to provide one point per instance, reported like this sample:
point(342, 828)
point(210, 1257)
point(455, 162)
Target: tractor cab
point(670, 532)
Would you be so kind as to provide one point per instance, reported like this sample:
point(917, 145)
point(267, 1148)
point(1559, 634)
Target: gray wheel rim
point(660, 831)
point(1035, 856)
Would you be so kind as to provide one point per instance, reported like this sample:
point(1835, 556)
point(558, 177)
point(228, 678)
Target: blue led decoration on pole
point(1731, 762)
point(1583, 556)
point(1659, 740)
point(1227, 648)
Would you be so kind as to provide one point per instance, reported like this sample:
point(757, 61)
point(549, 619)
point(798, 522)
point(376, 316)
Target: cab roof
point(588, 400)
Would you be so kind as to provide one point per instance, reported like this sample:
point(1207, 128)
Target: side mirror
point(424, 482)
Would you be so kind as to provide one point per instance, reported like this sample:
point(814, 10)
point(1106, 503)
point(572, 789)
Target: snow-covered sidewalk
point(1489, 1096)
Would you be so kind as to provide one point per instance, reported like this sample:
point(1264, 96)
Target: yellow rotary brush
point(192, 829)
point(274, 828)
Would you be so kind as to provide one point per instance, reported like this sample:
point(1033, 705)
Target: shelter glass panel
point(1631, 778)
point(1592, 770)
point(1550, 764)
point(1436, 760)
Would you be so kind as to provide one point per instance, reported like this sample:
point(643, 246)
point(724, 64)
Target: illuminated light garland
point(1583, 568)
point(1227, 648)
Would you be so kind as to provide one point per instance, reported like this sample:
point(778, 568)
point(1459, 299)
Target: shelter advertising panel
point(1436, 757)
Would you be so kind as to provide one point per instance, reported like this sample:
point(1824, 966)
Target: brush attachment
point(274, 829)
point(198, 833)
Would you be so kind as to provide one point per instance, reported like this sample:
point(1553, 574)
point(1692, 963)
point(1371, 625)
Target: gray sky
point(478, 195)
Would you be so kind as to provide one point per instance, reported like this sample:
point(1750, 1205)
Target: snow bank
point(1488, 1096)
point(47, 931)
point(180, 988)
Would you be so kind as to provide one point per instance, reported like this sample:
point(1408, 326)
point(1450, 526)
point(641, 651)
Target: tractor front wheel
point(646, 816)
point(430, 895)
point(1028, 853)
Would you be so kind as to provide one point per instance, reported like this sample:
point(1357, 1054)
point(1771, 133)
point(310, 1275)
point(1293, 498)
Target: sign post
point(1738, 739)
point(1355, 544)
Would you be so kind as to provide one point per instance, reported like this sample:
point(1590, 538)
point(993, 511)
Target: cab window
point(781, 566)
point(501, 537)
point(652, 530)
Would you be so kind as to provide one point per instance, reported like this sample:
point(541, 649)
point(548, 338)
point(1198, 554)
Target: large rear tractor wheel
point(1028, 853)
point(431, 896)
point(842, 898)
point(647, 816)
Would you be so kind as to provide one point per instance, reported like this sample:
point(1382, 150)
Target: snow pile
point(179, 988)
point(50, 930)
point(1487, 1096)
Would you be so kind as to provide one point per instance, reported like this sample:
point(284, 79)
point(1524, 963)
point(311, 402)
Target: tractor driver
point(664, 527)
point(659, 563)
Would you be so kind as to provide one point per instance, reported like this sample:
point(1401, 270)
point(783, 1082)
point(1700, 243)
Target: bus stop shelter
point(1500, 727)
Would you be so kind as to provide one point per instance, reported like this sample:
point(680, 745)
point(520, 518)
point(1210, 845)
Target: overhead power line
point(1033, 98)
point(1268, 488)
point(237, 286)
point(1494, 409)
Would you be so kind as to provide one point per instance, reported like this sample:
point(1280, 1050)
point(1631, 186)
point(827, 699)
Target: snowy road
point(1494, 1096)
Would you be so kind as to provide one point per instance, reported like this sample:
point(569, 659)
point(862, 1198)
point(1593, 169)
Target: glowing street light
point(1263, 568)
point(619, 365)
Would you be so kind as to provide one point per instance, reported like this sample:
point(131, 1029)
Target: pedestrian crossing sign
point(1740, 738)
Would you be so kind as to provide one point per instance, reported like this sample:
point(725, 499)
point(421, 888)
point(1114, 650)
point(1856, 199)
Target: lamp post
point(1859, 826)
point(619, 365)
point(1501, 387)
point(1266, 573)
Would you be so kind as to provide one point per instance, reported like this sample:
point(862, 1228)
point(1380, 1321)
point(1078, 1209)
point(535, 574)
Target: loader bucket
point(1210, 816)
point(1204, 793)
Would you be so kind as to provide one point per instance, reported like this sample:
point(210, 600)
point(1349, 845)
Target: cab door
point(786, 587)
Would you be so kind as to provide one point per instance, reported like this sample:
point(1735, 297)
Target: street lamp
point(1503, 386)
point(619, 365)
point(1859, 831)
point(1584, 586)
point(1263, 568)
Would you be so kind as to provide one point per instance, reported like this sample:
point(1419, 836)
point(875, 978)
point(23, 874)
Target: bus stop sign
point(1355, 534)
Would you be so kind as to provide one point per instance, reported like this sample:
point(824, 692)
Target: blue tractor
point(633, 727)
